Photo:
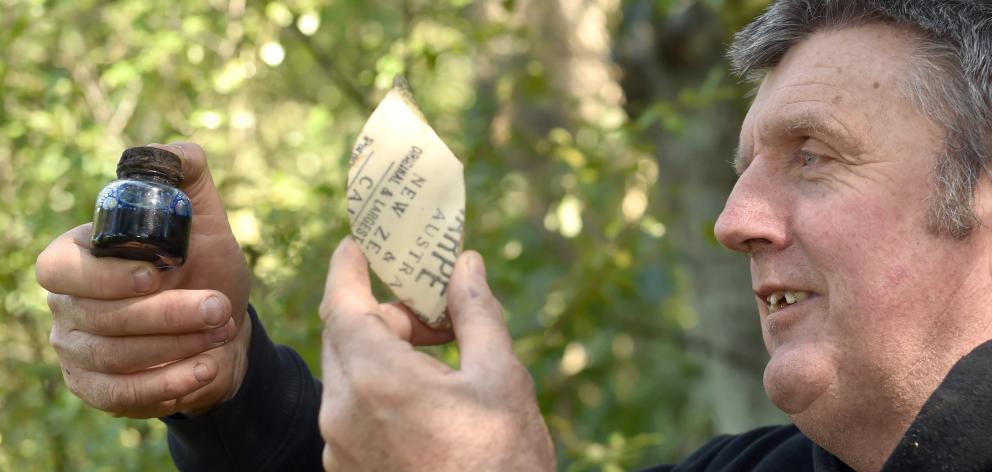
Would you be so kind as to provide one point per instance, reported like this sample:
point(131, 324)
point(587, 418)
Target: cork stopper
point(149, 163)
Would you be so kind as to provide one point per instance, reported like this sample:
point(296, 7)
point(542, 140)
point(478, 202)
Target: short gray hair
point(949, 79)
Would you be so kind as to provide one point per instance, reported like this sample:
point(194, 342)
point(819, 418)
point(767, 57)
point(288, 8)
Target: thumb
point(198, 184)
point(476, 315)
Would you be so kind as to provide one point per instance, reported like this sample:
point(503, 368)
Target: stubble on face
point(836, 166)
point(833, 95)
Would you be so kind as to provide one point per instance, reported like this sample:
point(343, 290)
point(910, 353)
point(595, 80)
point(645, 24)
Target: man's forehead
point(850, 59)
point(864, 48)
point(831, 82)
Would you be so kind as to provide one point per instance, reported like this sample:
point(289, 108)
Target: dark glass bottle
point(143, 215)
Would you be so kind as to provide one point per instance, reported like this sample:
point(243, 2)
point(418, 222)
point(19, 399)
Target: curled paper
point(406, 204)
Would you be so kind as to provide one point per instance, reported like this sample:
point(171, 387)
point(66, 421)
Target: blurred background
point(596, 136)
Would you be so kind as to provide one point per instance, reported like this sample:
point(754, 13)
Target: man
point(862, 204)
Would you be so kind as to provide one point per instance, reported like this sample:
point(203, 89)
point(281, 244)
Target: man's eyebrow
point(809, 123)
point(815, 124)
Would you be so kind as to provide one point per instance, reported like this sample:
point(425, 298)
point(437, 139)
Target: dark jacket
point(271, 424)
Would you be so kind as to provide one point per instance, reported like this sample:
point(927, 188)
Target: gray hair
point(949, 79)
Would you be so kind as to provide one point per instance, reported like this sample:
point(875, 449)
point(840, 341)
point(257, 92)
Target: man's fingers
point(476, 315)
point(168, 312)
point(155, 410)
point(348, 294)
point(130, 394)
point(407, 326)
point(198, 184)
point(128, 354)
point(193, 159)
point(347, 290)
point(67, 267)
point(353, 321)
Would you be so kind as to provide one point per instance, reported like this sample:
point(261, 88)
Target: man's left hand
point(387, 406)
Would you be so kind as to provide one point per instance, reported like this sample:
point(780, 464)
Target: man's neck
point(864, 448)
point(866, 441)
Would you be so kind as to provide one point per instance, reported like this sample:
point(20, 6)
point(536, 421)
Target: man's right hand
point(141, 343)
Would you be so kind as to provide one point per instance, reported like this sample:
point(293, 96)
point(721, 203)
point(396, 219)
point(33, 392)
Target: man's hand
point(387, 406)
point(141, 343)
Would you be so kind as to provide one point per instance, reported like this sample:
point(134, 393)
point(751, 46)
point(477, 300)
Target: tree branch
point(125, 109)
point(97, 98)
point(340, 79)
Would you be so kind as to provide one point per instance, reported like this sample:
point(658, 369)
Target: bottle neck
point(149, 175)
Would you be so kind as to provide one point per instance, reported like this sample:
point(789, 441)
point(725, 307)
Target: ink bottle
point(143, 215)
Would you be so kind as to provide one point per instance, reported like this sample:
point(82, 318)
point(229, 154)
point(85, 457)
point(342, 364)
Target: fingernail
point(475, 265)
point(469, 263)
point(212, 310)
point(201, 372)
point(476, 273)
point(217, 335)
point(177, 150)
point(142, 280)
point(167, 147)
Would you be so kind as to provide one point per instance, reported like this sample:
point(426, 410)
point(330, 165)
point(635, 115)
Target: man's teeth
point(776, 298)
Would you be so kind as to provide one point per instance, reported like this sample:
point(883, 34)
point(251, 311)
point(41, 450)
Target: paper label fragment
point(406, 204)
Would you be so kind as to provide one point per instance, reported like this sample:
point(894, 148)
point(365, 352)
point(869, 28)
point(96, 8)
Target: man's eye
point(808, 158)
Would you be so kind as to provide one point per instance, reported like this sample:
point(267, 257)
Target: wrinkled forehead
point(850, 79)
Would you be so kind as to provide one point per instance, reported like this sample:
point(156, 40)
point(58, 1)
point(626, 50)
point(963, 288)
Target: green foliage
point(597, 298)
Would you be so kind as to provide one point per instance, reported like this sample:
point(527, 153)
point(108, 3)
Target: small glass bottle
point(143, 215)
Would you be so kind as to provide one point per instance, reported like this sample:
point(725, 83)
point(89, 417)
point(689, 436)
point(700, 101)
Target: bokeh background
point(596, 136)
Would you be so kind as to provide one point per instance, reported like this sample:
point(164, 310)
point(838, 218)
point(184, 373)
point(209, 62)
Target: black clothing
point(768, 449)
point(953, 430)
point(271, 424)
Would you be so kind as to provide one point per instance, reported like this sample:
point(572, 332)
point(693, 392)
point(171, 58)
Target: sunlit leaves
point(565, 209)
point(272, 53)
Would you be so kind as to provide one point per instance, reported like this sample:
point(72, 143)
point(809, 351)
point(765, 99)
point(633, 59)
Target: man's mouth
point(779, 300)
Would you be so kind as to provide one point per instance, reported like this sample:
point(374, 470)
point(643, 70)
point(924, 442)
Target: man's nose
point(755, 215)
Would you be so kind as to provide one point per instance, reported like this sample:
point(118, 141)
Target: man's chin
point(797, 377)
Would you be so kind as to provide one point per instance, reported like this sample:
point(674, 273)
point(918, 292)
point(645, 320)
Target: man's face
point(831, 207)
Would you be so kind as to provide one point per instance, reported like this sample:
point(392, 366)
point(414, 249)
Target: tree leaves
point(566, 209)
